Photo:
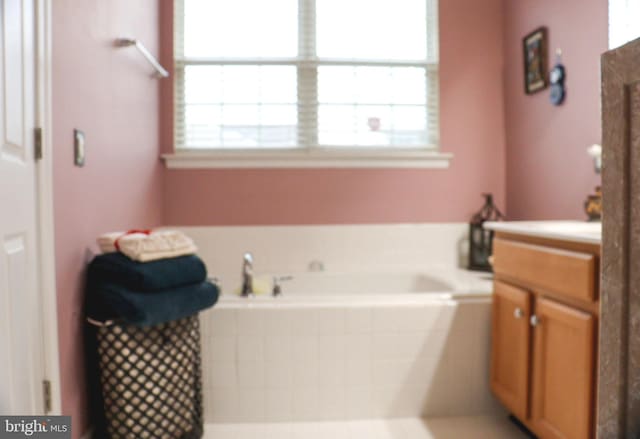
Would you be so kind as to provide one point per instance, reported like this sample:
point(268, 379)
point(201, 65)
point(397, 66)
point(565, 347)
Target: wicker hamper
point(151, 380)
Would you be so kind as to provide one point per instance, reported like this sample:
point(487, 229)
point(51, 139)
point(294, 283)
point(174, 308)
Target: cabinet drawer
point(564, 272)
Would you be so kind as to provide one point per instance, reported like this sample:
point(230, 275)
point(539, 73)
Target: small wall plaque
point(535, 61)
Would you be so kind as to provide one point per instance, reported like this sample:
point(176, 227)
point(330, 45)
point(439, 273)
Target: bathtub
point(351, 345)
point(380, 286)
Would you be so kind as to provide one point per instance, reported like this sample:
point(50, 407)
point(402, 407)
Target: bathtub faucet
point(247, 275)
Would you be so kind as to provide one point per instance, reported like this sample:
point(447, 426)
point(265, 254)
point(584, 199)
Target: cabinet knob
point(518, 313)
point(535, 320)
point(491, 260)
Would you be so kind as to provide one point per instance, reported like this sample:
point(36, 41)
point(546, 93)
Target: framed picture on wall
point(535, 61)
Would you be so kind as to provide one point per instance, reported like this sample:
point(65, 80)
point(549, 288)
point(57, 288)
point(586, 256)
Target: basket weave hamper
point(151, 380)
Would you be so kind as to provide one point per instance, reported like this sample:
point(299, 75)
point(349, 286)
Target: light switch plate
point(78, 147)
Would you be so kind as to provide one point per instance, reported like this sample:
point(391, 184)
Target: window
point(306, 74)
point(624, 16)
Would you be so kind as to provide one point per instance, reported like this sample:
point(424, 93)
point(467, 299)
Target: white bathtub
point(396, 286)
point(340, 345)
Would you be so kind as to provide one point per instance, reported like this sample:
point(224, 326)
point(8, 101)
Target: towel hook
point(161, 72)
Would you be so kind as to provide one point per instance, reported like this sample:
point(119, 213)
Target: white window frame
point(310, 155)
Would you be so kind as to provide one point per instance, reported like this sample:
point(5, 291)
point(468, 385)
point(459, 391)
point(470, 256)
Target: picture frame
point(534, 47)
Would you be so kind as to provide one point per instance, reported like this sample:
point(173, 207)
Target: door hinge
point(46, 394)
point(37, 144)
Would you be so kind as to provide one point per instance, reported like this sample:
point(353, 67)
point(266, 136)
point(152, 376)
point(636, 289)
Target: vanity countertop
point(575, 231)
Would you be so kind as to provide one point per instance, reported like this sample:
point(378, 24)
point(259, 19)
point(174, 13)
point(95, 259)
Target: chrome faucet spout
point(247, 275)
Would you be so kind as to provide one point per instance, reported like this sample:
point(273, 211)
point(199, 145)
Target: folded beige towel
point(145, 247)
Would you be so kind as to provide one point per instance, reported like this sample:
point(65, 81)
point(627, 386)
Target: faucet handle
point(248, 258)
point(277, 288)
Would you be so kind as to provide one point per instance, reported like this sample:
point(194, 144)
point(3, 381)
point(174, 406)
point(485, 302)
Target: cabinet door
point(510, 347)
point(563, 380)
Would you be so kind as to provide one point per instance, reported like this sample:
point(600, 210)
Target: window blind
point(252, 74)
point(624, 16)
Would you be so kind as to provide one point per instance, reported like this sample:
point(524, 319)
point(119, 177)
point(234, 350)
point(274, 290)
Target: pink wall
point(109, 94)
point(548, 171)
point(472, 128)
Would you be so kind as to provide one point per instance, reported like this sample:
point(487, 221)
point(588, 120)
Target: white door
point(20, 317)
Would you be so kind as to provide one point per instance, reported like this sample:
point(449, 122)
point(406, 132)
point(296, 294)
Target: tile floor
point(476, 427)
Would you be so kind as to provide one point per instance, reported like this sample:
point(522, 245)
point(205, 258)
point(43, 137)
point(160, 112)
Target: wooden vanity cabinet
point(544, 334)
point(562, 386)
point(510, 353)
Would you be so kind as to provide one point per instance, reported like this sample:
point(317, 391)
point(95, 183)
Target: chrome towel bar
point(161, 72)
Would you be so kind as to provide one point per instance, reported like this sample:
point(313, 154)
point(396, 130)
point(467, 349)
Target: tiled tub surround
point(367, 356)
point(421, 248)
point(392, 327)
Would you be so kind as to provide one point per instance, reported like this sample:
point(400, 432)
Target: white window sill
point(313, 158)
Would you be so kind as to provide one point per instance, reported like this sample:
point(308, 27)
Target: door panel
point(20, 340)
point(510, 347)
point(619, 409)
point(13, 70)
point(562, 387)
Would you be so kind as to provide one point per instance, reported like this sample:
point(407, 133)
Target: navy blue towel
point(116, 268)
point(114, 302)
